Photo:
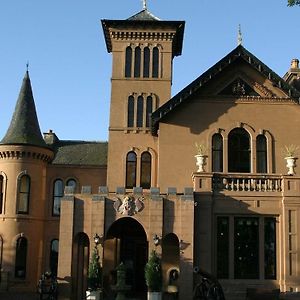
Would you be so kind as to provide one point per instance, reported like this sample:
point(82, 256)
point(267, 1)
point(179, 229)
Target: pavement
point(18, 296)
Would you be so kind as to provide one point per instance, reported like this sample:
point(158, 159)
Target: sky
point(70, 68)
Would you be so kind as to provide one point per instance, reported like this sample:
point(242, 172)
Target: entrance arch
point(126, 242)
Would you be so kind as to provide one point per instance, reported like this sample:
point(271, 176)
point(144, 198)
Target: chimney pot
point(295, 63)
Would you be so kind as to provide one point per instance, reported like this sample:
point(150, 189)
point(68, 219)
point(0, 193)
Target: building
point(235, 216)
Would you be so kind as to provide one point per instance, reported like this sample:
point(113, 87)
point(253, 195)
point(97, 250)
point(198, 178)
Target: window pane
point(261, 153)
point(58, 192)
point(130, 112)
point(146, 170)
point(217, 153)
point(239, 151)
point(128, 62)
point(71, 182)
point(155, 62)
point(140, 111)
point(131, 170)
point(223, 247)
point(146, 62)
point(270, 248)
point(246, 257)
point(137, 62)
point(54, 257)
point(21, 256)
point(149, 110)
point(24, 191)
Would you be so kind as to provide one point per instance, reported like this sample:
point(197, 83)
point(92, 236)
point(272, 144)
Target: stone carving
point(128, 206)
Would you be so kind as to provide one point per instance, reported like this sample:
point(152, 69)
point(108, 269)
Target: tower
point(143, 48)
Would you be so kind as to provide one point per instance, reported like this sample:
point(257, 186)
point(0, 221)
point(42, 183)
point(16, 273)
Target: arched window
point(54, 256)
point(137, 62)
point(130, 170)
point(58, 192)
point(1, 194)
point(146, 62)
point(239, 151)
point(130, 112)
point(24, 193)
point(128, 61)
point(261, 154)
point(149, 107)
point(140, 111)
point(1, 251)
point(217, 153)
point(146, 170)
point(155, 62)
point(71, 182)
point(21, 258)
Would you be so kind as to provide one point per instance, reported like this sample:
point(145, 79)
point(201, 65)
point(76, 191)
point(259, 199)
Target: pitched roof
point(24, 127)
point(143, 15)
point(239, 53)
point(80, 153)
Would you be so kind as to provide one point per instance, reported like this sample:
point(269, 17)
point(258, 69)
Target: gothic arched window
point(1, 194)
point(21, 258)
point(130, 112)
point(128, 61)
point(146, 70)
point(140, 111)
point(149, 107)
point(239, 151)
point(72, 182)
point(155, 62)
point(23, 194)
point(145, 170)
point(217, 153)
point(261, 154)
point(53, 256)
point(137, 62)
point(130, 170)
point(58, 192)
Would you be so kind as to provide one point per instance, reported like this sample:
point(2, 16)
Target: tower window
point(72, 182)
point(217, 153)
point(145, 181)
point(130, 112)
point(149, 107)
point(54, 256)
point(58, 192)
point(130, 170)
point(21, 258)
point(155, 62)
point(261, 154)
point(140, 111)
point(128, 62)
point(137, 62)
point(23, 194)
point(1, 194)
point(146, 71)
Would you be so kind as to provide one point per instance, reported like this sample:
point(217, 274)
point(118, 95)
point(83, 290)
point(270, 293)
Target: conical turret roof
point(24, 127)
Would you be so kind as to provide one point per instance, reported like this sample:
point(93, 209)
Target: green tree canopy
point(293, 2)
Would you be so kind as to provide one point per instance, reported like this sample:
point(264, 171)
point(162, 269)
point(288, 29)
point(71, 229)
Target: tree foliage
point(293, 2)
point(153, 274)
point(94, 274)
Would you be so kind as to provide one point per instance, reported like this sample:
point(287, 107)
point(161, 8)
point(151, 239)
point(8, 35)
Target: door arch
point(126, 242)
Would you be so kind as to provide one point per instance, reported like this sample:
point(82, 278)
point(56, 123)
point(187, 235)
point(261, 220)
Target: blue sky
point(70, 69)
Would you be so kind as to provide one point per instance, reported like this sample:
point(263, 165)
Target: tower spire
point(144, 4)
point(240, 37)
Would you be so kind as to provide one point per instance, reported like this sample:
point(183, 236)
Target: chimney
point(295, 63)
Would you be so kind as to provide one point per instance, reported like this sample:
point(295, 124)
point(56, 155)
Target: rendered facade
point(236, 217)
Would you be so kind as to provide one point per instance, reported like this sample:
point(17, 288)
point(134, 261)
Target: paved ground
point(17, 296)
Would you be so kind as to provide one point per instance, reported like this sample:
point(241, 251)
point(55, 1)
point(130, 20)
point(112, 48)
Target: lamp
point(156, 239)
point(97, 239)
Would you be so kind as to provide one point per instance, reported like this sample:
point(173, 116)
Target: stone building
point(236, 216)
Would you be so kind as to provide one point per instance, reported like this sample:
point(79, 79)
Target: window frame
point(21, 262)
point(57, 196)
point(23, 196)
point(129, 164)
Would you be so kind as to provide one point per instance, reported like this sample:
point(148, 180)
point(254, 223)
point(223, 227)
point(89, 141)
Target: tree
point(293, 2)
point(153, 274)
point(94, 274)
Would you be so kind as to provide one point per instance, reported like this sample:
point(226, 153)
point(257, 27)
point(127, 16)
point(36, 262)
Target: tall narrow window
point(130, 170)
point(58, 192)
point(24, 193)
point(1, 250)
point(270, 248)
point(146, 70)
point(137, 62)
point(246, 248)
point(130, 112)
point(155, 62)
point(1, 194)
point(128, 62)
point(140, 111)
point(261, 154)
point(217, 153)
point(146, 170)
point(21, 258)
point(54, 256)
point(149, 107)
point(239, 151)
point(223, 247)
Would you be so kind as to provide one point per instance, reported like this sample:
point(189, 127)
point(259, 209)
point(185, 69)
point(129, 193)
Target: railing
point(244, 183)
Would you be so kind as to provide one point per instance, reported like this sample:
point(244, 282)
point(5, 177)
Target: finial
point(240, 37)
point(144, 4)
point(27, 66)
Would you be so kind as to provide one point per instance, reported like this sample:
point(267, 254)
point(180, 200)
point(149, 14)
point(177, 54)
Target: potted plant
point(94, 277)
point(290, 157)
point(153, 276)
point(200, 156)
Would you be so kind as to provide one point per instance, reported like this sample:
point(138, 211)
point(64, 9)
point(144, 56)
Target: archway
point(126, 242)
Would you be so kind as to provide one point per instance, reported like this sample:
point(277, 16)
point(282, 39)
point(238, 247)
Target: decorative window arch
point(53, 260)
point(155, 62)
point(146, 69)
point(239, 151)
point(137, 62)
point(146, 161)
point(131, 164)
point(24, 183)
point(217, 153)
point(1, 193)
point(140, 111)
point(21, 258)
point(261, 154)
point(128, 61)
point(58, 192)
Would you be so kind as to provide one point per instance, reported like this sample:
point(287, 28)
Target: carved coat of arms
point(129, 205)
